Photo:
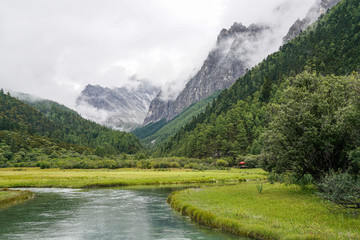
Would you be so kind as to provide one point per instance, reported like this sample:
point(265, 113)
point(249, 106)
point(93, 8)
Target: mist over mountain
point(121, 108)
point(319, 7)
point(237, 49)
point(329, 47)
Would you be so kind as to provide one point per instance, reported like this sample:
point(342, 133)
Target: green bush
point(221, 163)
point(44, 165)
point(354, 157)
point(175, 165)
point(341, 191)
point(144, 164)
point(252, 161)
point(8, 155)
point(260, 187)
point(275, 177)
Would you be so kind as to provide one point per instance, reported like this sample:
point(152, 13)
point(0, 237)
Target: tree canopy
point(315, 125)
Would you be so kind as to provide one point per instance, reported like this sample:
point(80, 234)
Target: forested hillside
point(50, 128)
point(234, 123)
point(77, 130)
point(157, 133)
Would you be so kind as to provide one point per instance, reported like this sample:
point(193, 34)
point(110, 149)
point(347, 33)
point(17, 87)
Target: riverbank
point(12, 197)
point(80, 178)
point(278, 212)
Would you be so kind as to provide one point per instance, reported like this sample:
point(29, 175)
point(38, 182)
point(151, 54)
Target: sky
point(54, 48)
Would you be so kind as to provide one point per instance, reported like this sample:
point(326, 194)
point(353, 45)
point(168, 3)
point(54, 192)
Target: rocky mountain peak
point(238, 29)
point(124, 108)
point(231, 32)
point(327, 4)
point(319, 7)
point(225, 63)
point(236, 49)
point(91, 90)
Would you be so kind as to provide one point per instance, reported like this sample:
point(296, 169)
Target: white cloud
point(54, 48)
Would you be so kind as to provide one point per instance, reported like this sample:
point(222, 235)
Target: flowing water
point(100, 214)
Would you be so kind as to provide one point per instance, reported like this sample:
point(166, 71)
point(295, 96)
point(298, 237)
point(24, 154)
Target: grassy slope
point(12, 197)
point(34, 177)
point(169, 129)
point(279, 212)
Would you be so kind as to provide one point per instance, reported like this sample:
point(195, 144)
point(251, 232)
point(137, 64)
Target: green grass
point(7, 194)
point(75, 178)
point(279, 212)
point(12, 197)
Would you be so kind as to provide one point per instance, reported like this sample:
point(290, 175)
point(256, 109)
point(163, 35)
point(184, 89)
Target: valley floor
point(278, 212)
point(80, 178)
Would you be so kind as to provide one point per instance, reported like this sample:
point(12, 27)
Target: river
point(101, 214)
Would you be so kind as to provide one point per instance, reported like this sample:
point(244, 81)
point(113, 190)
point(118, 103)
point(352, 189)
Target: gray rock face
point(319, 7)
point(121, 108)
point(228, 61)
point(157, 109)
point(224, 65)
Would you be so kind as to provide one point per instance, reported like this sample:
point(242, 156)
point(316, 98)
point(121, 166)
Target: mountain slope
point(234, 122)
point(121, 108)
point(234, 53)
point(49, 119)
point(156, 133)
point(157, 104)
point(228, 61)
point(319, 7)
point(17, 116)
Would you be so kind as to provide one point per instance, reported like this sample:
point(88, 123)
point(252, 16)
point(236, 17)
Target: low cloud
point(53, 49)
point(24, 96)
point(275, 17)
point(92, 113)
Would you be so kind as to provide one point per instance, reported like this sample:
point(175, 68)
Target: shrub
point(341, 191)
point(260, 187)
point(144, 164)
point(275, 177)
point(252, 161)
point(221, 163)
point(354, 157)
point(44, 165)
point(8, 155)
point(175, 165)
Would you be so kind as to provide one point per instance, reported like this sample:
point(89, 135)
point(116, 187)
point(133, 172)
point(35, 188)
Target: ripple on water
point(57, 213)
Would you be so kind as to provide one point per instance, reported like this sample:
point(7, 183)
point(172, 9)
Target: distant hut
point(242, 164)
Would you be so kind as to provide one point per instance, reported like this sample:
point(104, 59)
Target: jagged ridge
point(319, 7)
point(123, 108)
point(225, 63)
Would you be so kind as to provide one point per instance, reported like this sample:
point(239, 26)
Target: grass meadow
point(80, 178)
point(278, 212)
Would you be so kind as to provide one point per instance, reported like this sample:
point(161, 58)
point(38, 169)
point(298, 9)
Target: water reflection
point(100, 214)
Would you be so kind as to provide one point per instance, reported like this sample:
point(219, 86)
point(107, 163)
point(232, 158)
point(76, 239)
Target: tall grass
point(35, 177)
point(12, 197)
point(279, 212)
